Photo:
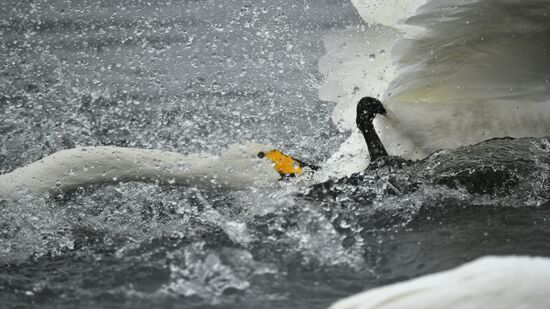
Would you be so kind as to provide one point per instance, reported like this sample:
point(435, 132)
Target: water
point(186, 76)
point(192, 76)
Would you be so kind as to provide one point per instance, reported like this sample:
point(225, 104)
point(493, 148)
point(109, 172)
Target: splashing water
point(194, 76)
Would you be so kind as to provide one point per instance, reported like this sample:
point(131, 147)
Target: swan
point(237, 168)
point(458, 73)
point(508, 282)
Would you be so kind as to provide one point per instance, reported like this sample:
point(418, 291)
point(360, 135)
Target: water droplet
point(218, 27)
point(289, 47)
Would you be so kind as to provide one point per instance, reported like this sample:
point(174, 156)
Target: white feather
point(487, 283)
point(237, 168)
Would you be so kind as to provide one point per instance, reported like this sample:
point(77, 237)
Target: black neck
point(376, 148)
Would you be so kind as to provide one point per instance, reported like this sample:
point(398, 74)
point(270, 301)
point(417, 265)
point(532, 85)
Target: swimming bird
point(236, 168)
point(510, 282)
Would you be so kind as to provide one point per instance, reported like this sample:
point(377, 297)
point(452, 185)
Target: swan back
point(488, 283)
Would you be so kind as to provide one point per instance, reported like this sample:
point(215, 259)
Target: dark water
point(147, 74)
point(137, 245)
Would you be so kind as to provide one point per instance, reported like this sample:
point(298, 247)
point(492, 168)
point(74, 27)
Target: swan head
point(367, 109)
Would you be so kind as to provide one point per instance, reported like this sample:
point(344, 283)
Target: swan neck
point(374, 144)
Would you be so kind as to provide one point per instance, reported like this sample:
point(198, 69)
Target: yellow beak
point(284, 164)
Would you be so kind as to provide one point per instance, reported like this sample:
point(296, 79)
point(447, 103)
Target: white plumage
point(460, 72)
point(512, 282)
point(237, 168)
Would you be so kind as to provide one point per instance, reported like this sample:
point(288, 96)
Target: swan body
point(237, 168)
point(512, 282)
point(450, 126)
